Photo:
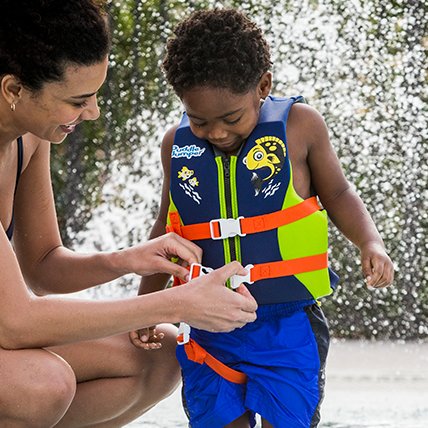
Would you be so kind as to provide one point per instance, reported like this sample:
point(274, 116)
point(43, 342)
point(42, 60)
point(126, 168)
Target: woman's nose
point(92, 111)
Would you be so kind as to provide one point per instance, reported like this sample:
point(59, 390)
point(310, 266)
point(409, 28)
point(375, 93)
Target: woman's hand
point(378, 269)
point(209, 305)
point(155, 255)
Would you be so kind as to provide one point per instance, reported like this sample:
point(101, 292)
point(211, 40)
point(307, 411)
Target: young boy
point(260, 162)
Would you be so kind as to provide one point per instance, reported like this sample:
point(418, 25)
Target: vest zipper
point(229, 204)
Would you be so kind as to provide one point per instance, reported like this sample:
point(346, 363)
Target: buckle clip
point(183, 333)
point(197, 270)
point(228, 228)
point(237, 280)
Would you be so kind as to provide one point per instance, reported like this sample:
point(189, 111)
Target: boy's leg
point(241, 422)
point(266, 424)
point(288, 391)
point(36, 388)
point(322, 336)
point(210, 400)
point(118, 382)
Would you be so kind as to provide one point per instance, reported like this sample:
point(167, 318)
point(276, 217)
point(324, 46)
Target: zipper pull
point(226, 167)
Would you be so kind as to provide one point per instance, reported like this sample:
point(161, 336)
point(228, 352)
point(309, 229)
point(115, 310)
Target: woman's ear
point(10, 88)
point(265, 84)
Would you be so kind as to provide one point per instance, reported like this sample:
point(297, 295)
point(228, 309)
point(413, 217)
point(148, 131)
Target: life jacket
point(269, 225)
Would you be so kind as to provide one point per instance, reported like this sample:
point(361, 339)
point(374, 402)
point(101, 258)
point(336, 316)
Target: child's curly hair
point(38, 38)
point(220, 48)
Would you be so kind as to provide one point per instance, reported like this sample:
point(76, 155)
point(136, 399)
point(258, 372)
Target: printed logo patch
point(186, 151)
point(266, 157)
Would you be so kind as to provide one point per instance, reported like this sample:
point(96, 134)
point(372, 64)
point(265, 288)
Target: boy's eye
point(233, 122)
point(198, 125)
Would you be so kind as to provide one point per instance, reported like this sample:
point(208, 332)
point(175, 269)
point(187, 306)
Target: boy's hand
point(378, 269)
point(146, 338)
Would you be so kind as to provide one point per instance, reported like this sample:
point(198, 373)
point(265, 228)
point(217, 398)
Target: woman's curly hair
point(39, 38)
point(220, 48)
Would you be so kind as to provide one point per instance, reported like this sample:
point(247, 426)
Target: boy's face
point(222, 117)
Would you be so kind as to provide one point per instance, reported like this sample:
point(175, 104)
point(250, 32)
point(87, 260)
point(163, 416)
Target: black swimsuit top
point(9, 231)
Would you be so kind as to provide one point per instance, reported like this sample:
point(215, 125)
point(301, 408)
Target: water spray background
point(362, 64)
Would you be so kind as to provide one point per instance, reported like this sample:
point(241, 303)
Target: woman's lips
point(68, 129)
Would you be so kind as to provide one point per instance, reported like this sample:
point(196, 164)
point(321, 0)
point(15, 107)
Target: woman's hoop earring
point(13, 107)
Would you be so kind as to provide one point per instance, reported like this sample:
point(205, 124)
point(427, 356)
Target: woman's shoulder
point(33, 143)
point(33, 146)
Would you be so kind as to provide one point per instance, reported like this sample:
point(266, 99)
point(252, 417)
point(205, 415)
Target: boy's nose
point(216, 132)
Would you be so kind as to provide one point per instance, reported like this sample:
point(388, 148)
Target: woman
point(69, 362)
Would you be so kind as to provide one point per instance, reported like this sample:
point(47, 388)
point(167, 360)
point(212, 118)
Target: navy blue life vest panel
point(195, 193)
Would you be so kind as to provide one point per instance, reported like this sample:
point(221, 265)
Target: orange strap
point(281, 268)
point(260, 271)
point(199, 355)
point(175, 225)
point(288, 267)
point(260, 223)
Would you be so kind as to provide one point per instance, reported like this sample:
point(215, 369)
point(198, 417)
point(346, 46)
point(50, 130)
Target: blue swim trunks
point(282, 353)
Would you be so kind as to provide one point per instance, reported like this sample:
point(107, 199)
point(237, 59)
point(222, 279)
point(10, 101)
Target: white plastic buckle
point(229, 227)
point(203, 270)
point(183, 329)
point(237, 280)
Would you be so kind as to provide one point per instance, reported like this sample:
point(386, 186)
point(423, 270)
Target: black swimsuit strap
point(9, 231)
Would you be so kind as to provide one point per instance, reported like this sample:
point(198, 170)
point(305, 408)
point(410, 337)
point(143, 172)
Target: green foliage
point(81, 166)
point(362, 64)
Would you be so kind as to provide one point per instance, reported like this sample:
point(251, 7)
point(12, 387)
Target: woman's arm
point(48, 267)
point(28, 321)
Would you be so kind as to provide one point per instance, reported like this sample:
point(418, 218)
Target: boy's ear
point(265, 84)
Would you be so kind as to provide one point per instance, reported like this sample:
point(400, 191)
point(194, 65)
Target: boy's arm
point(344, 206)
point(148, 338)
point(157, 282)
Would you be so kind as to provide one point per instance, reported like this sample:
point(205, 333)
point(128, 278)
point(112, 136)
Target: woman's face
point(53, 112)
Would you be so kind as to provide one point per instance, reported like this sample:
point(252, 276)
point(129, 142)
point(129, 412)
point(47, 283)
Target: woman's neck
point(9, 131)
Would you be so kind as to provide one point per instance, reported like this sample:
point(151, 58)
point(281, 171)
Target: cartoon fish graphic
point(185, 173)
point(194, 182)
point(268, 154)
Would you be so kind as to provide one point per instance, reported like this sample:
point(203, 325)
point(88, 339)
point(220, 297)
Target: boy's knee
point(169, 342)
point(161, 370)
point(164, 359)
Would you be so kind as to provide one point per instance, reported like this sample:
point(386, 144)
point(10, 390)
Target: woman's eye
point(80, 105)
